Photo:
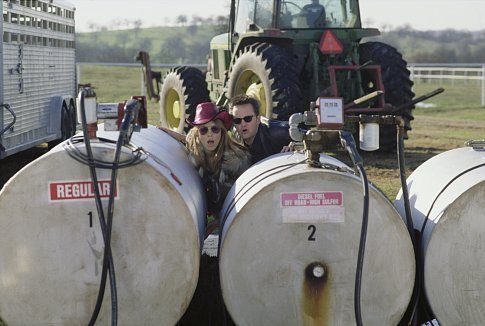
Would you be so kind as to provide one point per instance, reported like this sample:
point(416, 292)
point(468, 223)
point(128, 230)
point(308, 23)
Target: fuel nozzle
point(348, 142)
point(86, 110)
point(130, 118)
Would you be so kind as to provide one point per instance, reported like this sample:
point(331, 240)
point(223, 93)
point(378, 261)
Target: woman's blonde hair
point(211, 163)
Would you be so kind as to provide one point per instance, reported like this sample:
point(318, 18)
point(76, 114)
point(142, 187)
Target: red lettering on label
point(323, 198)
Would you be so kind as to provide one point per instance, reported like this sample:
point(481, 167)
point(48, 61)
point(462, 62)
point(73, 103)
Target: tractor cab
point(296, 14)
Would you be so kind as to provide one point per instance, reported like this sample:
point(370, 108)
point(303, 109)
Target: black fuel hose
point(363, 238)
point(108, 264)
point(411, 313)
point(123, 136)
point(138, 156)
point(348, 143)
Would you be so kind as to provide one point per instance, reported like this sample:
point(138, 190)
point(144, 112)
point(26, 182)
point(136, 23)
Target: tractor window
point(319, 14)
point(264, 13)
point(244, 16)
point(259, 12)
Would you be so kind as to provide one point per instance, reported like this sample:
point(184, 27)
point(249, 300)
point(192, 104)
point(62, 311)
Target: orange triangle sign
point(330, 44)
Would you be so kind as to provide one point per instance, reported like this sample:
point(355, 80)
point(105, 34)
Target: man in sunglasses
point(261, 139)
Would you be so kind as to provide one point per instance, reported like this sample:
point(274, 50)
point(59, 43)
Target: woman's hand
point(288, 148)
point(181, 138)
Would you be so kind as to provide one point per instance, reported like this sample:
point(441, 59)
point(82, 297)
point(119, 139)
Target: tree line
point(189, 43)
point(443, 46)
point(169, 44)
point(180, 20)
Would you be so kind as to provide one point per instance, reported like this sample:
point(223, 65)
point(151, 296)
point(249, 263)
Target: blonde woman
point(219, 159)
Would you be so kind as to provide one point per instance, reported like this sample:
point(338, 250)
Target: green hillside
point(445, 46)
point(190, 44)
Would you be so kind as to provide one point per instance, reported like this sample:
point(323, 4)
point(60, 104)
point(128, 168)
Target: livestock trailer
point(38, 80)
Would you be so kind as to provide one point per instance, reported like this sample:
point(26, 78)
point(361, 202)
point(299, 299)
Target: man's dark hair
point(242, 99)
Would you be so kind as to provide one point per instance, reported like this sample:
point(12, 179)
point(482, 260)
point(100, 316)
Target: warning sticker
point(78, 190)
point(312, 207)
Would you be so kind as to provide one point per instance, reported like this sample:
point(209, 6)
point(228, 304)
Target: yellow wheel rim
point(173, 109)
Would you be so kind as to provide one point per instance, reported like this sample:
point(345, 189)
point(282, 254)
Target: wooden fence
point(463, 73)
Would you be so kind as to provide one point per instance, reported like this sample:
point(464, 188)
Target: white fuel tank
point(51, 245)
point(289, 248)
point(447, 199)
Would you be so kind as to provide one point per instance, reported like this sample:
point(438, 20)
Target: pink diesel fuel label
point(324, 198)
point(312, 207)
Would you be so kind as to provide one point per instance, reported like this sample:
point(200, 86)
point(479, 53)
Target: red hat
point(208, 111)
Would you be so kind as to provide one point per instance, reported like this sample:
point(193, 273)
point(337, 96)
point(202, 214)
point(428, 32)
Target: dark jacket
point(269, 140)
point(313, 13)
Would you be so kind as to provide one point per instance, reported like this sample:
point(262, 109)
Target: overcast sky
point(420, 14)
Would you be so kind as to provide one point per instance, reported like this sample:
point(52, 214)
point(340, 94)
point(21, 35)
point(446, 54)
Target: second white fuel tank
point(447, 199)
point(290, 241)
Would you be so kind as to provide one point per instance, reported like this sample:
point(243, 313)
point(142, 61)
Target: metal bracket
point(477, 145)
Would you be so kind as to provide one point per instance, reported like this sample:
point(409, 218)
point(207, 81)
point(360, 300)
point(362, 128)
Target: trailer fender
point(55, 114)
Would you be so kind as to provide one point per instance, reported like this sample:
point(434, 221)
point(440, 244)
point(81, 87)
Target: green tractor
point(287, 54)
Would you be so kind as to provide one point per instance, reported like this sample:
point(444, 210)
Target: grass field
point(452, 118)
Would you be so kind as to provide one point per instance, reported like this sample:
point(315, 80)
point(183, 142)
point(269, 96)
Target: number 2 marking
point(312, 228)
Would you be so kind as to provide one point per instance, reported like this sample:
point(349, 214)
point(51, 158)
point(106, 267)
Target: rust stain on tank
point(316, 296)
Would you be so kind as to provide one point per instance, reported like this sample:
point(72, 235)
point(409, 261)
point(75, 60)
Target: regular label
point(312, 207)
point(78, 190)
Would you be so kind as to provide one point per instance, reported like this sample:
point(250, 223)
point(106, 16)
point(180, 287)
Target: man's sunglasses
point(247, 118)
point(205, 130)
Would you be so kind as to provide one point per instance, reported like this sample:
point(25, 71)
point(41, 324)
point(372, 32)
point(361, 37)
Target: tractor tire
point(397, 86)
point(267, 72)
point(183, 88)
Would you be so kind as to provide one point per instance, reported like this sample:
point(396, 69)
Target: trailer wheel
point(397, 85)
point(182, 89)
point(267, 72)
point(73, 117)
point(68, 124)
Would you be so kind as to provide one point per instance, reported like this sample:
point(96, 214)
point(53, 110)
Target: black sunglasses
point(214, 129)
point(247, 118)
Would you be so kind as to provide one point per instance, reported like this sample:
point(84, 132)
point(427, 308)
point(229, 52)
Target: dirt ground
point(10, 165)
